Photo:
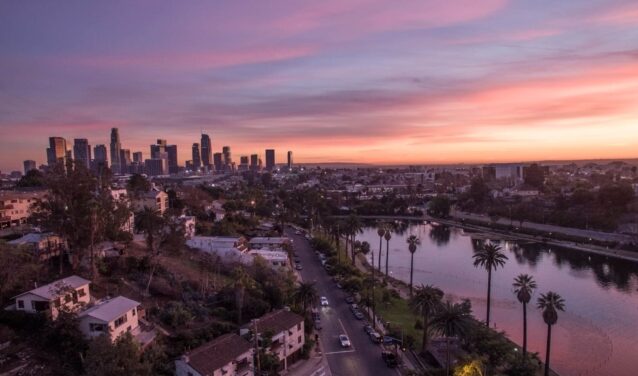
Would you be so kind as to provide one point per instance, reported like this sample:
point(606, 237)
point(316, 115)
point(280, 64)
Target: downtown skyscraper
point(206, 151)
point(56, 152)
point(270, 159)
point(197, 159)
point(116, 147)
point(82, 152)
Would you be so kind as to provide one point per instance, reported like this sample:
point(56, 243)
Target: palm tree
point(452, 320)
point(489, 257)
point(354, 227)
point(151, 223)
point(524, 286)
point(550, 304)
point(306, 294)
point(413, 242)
point(426, 302)
point(387, 237)
point(381, 232)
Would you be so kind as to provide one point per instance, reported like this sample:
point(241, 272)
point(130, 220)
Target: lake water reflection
point(598, 333)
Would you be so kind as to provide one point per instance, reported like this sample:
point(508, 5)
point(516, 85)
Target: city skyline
point(340, 81)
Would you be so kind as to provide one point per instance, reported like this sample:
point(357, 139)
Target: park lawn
point(399, 315)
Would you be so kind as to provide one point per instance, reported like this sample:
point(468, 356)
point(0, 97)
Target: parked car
point(375, 337)
point(298, 267)
point(354, 307)
point(324, 301)
point(368, 329)
point(358, 315)
point(297, 232)
point(390, 358)
point(318, 324)
point(349, 299)
point(339, 285)
point(344, 340)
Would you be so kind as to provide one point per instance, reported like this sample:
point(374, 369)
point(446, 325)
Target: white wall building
point(112, 317)
point(71, 293)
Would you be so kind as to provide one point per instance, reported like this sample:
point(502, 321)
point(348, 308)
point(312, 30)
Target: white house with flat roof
point(71, 293)
point(112, 317)
point(272, 243)
point(276, 259)
point(227, 247)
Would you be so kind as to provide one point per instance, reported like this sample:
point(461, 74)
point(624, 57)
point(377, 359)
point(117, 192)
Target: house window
point(133, 312)
point(299, 339)
point(97, 327)
point(21, 304)
point(299, 326)
point(57, 303)
point(81, 292)
point(67, 298)
point(120, 321)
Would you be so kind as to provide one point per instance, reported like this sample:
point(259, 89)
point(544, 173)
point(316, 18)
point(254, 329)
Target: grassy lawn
point(398, 313)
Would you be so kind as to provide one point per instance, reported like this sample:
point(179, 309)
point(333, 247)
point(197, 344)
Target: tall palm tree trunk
point(426, 327)
point(524, 329)
point(352, 247)
point(380, 249)
point(489, 295)
point(411, 271)
point(549, 342)
point(387, 254)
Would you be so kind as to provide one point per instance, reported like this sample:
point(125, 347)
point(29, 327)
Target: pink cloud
point(185, 61)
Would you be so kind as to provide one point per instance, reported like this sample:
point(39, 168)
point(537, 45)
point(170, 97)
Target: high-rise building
point(254, 162)
point(29, 165)
point(138, 157)
point(171, 150)
point(197, 160)
point(125, 161)
point(116, 146)
point(206, 152)
point(289, 160)
point(100, 160)
point(158, 148)
point(82, 152)
point(218, 161)
point(270, 159)
point(228, 158)
point(156, 166)
point(56, 152)
point(243, 163)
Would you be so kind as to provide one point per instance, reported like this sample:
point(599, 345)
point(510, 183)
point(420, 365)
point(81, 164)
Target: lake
point(596, 335)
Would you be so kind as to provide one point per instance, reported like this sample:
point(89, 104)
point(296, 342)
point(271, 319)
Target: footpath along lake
point(598, 333)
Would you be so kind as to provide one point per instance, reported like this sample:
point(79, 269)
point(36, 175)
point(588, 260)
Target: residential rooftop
point(217, 353)
point(53, 289)
point(109, 310)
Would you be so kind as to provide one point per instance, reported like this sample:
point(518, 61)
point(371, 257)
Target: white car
point(344, 340)
point(324, 301)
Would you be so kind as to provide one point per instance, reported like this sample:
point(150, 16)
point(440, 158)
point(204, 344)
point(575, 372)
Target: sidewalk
point(316, 365)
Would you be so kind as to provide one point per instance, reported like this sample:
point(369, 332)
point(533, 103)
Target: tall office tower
point(218, 161)
point(29, 165)
point(56, 152)
point(158, 148)
point(125, 161)
point(138, 157)
point(228, 160)
point(206, 152)
point(156, 166)
point(197, 160)
point(254, 160)
point(100, 159)
point(116, 145)
point(270, 159)
point(171, 150)
point(82, 151)
point(243, 163)
point(289, 160)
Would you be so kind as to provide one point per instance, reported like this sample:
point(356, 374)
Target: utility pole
point(374, 311)
point(256, 346)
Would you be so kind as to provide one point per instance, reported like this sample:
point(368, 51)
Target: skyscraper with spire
point(206, 151)
point(116, 147)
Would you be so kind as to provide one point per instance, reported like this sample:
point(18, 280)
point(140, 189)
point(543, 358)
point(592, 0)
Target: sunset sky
point(418, 81)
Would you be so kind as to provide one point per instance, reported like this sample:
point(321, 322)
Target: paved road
point(364, 357)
